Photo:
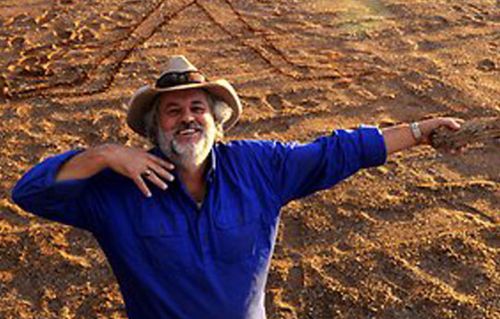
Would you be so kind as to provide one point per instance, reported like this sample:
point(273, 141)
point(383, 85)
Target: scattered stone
point(63, 34)
point(86, 35)
point(23, 20)
point(427, 45)
point(486, 65)
point(18, 43)
point(47, 16)
point(3, 88)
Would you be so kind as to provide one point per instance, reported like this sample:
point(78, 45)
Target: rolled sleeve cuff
point(373, 145)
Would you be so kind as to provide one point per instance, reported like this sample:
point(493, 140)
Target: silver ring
point(146, 172)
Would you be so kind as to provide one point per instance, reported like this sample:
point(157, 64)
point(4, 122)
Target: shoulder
point(257, 148)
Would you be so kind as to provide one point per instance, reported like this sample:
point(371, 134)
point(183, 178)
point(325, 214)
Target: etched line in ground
point(109, 65)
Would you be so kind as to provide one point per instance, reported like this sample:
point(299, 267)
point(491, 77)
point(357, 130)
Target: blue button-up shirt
point(173, 259)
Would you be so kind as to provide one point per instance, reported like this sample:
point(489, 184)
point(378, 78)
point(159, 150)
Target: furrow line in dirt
point(109, 65)
point(266, 50)
point(268, 42)
point(394, 245)
point(426, 278)
point(396, 272)
point(445, 288)
point(432, 283)
point(460, 231)
point(472, 210)
point(236, 38)
point(17, 5)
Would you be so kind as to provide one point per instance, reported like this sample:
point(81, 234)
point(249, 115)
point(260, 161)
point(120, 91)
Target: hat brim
point(143, 99)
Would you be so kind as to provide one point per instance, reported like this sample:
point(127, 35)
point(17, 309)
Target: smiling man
point(189, 226)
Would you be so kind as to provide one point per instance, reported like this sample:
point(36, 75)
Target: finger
point(456, 125)
point(161, 162)
point(157, 181)
point(162, 172)
point(142, 186)
point(453, 124)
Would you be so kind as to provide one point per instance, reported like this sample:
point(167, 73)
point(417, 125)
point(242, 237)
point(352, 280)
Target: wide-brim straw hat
point(180, 75)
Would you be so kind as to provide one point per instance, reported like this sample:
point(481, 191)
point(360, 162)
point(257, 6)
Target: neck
point(192, 173)
point(193, 179)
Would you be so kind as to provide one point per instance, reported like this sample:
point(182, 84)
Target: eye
point(198, 109)
point(173, 111)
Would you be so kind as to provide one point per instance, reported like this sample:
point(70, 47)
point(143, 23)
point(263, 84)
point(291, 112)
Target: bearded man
point(189, 226)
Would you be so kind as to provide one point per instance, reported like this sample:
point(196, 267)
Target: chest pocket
point(164, 234)
point(238, 226)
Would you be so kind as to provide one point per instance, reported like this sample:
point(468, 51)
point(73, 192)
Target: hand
point(136, 164)
point(428, 126)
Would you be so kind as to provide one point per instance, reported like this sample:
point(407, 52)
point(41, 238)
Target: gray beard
point(187, 156)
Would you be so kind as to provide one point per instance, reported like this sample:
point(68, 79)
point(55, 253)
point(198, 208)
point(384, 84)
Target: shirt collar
point(210, 172)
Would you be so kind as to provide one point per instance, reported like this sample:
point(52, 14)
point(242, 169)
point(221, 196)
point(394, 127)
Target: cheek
point(166, 125)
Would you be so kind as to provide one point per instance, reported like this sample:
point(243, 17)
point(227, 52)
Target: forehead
point(183, 97)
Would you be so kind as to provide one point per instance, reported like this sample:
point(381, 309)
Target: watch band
point(415, 130)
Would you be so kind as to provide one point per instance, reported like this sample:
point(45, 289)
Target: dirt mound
point(472, 132)
point(416, 238)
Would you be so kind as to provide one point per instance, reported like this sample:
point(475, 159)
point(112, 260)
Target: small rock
point(18, 43)
point(486, 65)
point(3, 89)
point(427, 45)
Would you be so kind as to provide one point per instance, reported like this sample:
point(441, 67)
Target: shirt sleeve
point(65, 201)
point(301, 169)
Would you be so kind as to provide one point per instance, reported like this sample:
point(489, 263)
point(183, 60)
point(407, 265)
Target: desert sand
point(416, 238)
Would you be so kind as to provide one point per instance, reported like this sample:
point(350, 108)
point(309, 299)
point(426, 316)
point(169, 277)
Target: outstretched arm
point(400, 137)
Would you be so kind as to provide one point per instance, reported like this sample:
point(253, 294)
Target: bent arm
point(129, 162)
point(64, 201)
point(84, 165)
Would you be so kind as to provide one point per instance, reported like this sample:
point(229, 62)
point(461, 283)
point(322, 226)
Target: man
point(189, 226)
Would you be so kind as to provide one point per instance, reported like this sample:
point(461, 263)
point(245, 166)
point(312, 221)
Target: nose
point(187, 116)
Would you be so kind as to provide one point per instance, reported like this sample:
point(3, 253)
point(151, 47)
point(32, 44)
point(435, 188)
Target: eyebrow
point(175, 104)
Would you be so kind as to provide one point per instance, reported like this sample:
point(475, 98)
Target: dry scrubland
point(416, 238)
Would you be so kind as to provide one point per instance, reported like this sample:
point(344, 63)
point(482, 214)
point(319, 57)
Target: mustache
point(190, 125)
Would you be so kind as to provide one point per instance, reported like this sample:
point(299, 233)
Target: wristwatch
point(415, 130)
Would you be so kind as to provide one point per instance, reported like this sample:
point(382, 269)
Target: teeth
point(188, 131)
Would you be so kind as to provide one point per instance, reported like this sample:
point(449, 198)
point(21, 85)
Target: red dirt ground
point(415, 238)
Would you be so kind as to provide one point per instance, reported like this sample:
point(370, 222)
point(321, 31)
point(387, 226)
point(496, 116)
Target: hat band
point(179, 78)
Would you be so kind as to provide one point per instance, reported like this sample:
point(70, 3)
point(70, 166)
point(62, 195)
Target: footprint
point(118, 19)
point(33, 67)
point(86, 35)
point(275, 100)
point(23, 21)
point(17, 43)
point(458, 8)
point(64, 34)
point(46, 17)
